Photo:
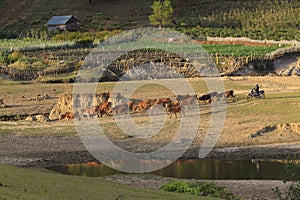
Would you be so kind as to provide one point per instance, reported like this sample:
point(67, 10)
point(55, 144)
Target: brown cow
point(120, 109)
point(117, 99)
point(175, 103)
point(103, 108)
point(88, 112)
point(155, 109)
point(69, 115)
point(152, 101)
point(182, 97)
point(191, 101)
point(228, 94)
point(103, 97)
point(159, 105)
point(163, 101)
point(174, 109)
point(215, 97)
point(130, 104)
point(142, 106)
point(212, 94)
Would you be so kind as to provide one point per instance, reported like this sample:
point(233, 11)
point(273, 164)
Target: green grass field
point(239, 50)
point(30, 184)
point(31, 44)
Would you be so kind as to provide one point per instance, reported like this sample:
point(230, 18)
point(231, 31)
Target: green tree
point(162, 13)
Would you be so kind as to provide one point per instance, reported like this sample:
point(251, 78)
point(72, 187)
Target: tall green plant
point(7, 57)
point(4, 57)
point(162, 13)
point(292, 168)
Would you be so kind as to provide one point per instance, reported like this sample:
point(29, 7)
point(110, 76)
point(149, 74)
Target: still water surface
point(193, 169)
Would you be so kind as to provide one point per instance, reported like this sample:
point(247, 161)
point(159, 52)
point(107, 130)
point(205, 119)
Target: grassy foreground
point(20, 183)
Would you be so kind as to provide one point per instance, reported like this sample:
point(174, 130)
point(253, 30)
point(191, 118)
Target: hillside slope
point(18, 16)
point(27, 14)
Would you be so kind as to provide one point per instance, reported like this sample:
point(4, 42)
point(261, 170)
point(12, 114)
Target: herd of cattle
point(116, 104)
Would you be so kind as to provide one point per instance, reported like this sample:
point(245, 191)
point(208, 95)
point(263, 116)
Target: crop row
point(266, 19)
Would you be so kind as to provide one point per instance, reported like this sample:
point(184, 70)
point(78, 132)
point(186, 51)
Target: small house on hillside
point(62, 23)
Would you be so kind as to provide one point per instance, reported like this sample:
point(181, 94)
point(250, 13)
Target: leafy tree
point(162, 13)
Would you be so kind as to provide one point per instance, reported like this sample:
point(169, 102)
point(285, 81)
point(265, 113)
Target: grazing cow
point(96, 102)
point(117, 99)
point(228, 94)
point(182, 97)
point(215, 97)
point(103, 108)
point(103, 97)
point(120, 109)
point(86, 100)
point(152, 101)
point(130, 104)
point(212, 94)
point(159, 105)
point(100, 98)
point(88, 112)
point(175, 103)
point(142, 105)
point(205, 97)
point(191, 101)
point(163, 101)
point(174, 109)
point(155, 109)
point(69, 115)
point(187, 100)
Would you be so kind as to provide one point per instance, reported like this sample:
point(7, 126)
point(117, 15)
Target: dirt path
point(46, 151)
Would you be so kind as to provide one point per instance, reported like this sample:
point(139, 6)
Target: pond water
point(211, 169)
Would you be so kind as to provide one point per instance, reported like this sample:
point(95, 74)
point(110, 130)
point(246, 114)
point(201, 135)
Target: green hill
point(257, 18)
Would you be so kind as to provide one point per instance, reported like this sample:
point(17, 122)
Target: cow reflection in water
point(256, 162)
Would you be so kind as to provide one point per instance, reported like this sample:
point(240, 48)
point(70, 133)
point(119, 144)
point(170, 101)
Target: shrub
point(293, 192)
point(84, 37)
point(4, 57)
point(14, 56)
point(84, 42)
point(196, 188)
point(292, 168)
point(8, 58)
